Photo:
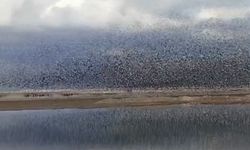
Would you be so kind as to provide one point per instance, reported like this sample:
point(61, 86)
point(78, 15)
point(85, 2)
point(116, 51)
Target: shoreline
point(35, 100)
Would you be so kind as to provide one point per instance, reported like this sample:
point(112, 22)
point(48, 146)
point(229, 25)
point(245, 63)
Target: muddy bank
point(119, 98)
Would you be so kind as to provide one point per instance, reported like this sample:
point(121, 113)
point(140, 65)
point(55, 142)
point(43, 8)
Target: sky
point(75, 31)
point(108, 13)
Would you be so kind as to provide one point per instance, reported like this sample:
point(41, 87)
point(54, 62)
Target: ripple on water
point(175, 128)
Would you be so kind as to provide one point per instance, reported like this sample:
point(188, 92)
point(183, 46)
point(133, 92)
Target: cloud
point(223, 13)
point(105, 13)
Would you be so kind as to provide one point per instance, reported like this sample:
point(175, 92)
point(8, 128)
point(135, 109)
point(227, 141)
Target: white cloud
point(82, 12)
point(223, 13)
point(6, 9)
point(103, 13)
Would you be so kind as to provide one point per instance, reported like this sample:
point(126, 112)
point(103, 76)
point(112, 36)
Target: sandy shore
point(117, 98)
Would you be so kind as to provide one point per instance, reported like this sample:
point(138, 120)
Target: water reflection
point(174, 128)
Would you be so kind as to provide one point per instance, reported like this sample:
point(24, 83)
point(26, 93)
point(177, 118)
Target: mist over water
point(175, 128)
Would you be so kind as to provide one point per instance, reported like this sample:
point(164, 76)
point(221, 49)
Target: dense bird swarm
point(208, 54)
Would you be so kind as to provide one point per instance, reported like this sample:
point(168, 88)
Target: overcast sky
point(104, 13)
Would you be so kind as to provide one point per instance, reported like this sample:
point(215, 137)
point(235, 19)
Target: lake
point(205, 127)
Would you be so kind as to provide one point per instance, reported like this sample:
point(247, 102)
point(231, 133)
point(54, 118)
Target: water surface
point(157, 128)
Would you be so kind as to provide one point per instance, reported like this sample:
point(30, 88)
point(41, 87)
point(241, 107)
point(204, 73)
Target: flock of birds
point(211, 54)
